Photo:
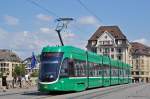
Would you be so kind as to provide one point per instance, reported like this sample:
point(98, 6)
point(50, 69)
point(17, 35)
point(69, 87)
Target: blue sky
point(25, 28)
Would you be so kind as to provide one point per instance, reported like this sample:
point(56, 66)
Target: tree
point(19, 70)
point(35, 74)
point(1, 74)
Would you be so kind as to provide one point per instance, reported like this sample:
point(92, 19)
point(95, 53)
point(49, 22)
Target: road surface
point(127, 91)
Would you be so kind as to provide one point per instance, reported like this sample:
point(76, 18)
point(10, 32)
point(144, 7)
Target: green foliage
point(35, 74)
point(1, 74)
point(19, 70)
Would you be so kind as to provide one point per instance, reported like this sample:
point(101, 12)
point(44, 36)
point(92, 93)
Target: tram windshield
point(50, 65)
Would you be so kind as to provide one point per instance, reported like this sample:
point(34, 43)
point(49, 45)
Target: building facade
point(140, 62)
point(110, 41)
point(8, 61)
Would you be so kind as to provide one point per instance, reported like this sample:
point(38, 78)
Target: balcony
point(105, 43)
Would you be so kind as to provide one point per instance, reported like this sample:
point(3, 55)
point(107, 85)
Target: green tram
point(66, 68)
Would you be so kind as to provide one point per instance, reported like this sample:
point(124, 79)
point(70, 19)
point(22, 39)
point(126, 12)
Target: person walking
point(14, 81)
point(4, 82)
point(19, 81)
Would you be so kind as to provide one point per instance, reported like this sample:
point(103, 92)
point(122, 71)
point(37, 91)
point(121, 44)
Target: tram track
point(105, 92)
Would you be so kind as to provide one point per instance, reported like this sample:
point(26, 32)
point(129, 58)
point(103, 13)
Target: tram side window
point(94, 70)
point(80, 68)
point(123, 72)
point(100, 70)
point(71, 68)
point(120, 72)
point(114, 71)
point(117, 72)
point(77, 68)
point(64, 68)
point(90, 69)
point(106, 71)
point(83, 68)
point(126, 72)
point(97, 70)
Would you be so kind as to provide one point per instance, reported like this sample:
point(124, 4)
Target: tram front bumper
point(49, 87)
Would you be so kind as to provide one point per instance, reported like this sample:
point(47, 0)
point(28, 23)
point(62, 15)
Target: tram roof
point(62, 49)
point(93, 57)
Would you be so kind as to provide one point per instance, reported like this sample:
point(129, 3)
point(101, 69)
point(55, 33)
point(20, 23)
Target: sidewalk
point(17, 91)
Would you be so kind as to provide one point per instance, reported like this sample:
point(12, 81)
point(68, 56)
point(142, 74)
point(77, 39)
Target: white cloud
point(11, 20)
point(3, 38)
point(68, 35)
point(43, 17)
point(47, 30)
point(25, 42)
point(88, 20)
point(25, 33)
point(28, 42)
point(143, 41)
point(2, 33)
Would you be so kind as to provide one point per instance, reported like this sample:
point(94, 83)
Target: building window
point(137, 67)
point(100, 50)
point(117, 42)
point(142, 61)
point(112, 49)
point(106, 54)
point(119, 50)
point(101, 42)
point(137, 61)
point(137, 73)
point(119, 57)
point(142, 73)
point(106, 50)
point(112, 56)
point(105, 37)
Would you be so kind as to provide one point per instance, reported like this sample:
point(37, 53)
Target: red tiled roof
point(139, 49)
point(7, 55)
point(113, 30)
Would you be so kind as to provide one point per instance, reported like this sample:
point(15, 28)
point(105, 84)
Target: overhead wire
point(43, 8)
point(90, 11)
point(50, 12)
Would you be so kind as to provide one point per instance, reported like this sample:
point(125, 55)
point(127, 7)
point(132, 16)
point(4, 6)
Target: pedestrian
point(26, 77)
point(4, 82)
point(19, 81)
point(14, 81)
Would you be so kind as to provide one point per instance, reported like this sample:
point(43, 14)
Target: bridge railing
point(31, 83)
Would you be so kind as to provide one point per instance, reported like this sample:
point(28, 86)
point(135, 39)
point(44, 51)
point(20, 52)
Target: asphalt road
point(128, 91)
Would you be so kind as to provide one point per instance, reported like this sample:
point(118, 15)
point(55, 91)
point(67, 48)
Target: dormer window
point(93, 43)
